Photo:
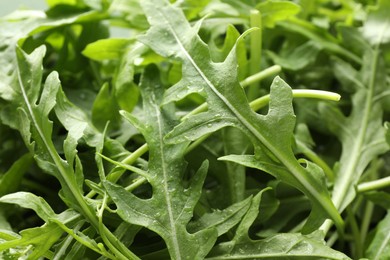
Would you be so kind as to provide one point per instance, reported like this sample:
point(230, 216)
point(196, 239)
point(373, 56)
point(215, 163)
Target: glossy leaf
point(228, 105)
point(293, 246)
point(171, 206)
point(108, 49)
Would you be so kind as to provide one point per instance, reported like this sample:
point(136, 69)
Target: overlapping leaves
point(228, 106)
point(171, 206)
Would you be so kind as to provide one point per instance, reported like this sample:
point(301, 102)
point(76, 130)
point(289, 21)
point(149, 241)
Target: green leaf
point(290, 245)
point(131, 11)
point(35, 124)
point(379, 247)
point(42, 238)
point(361, 133)
point(274, 11)
point(281, 246)
point(299, 58)
point(105, 109)
point(171, 207)
point(228, 106)
point(222, 220)
point(106, 49)
point(30, 201)
point(376, 29)
point(11, 180)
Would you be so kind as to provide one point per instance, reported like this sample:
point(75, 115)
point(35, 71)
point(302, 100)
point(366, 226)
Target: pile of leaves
point(195, 129)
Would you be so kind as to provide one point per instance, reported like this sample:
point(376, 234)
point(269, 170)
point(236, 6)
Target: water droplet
point(209, 125)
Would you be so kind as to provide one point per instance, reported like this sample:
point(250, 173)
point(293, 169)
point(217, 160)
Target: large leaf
point(36, 128)
point(171, 207)
point(361, 133)
point(228, 106)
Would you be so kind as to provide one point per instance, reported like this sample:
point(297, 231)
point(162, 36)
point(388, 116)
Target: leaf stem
point(374, 185)
point(117, 172)
point(255, 51)
point(298, 93)
point(275, 69)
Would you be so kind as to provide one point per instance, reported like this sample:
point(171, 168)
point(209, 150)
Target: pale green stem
point(298, 93)
point(275, 69)
point(255, 51)
point(374, 185)
point(263, 101)
point(365, 225)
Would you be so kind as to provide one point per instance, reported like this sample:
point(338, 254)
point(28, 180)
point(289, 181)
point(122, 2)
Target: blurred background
point(7, 6)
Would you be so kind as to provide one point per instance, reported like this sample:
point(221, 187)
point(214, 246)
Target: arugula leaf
point(361, 133)
point(228, 106)
point(292, 246)
point(166, 167)
point(42, 238)
point(11, 180)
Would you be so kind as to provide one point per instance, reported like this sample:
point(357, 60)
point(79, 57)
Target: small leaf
point(105, 109)
point(11, 180)
point(222, 220)
point(274, 11)
point(30, 201)
point(42, 238)
point(106, 49)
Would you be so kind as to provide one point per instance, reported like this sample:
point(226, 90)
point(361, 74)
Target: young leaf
point(11, 180)
point(107, 49)
point(171, 207)
point(274, 11)
point(222, 220)
point(228, 106)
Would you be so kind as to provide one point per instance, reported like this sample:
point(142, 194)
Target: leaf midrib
point(165, 186)
point(347, 176)
point(55, 157)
